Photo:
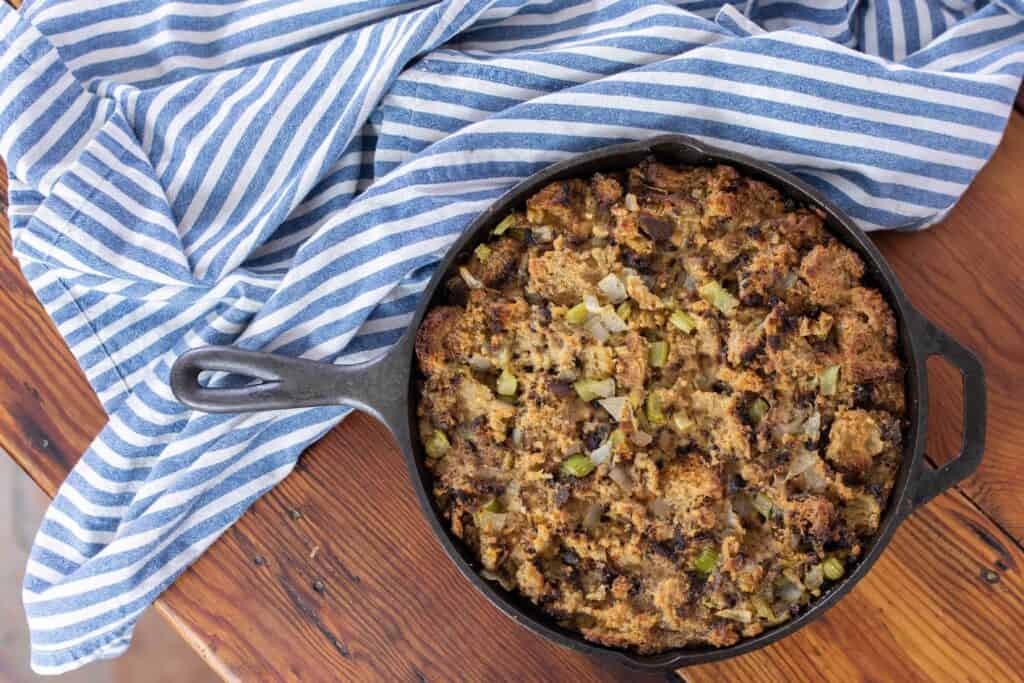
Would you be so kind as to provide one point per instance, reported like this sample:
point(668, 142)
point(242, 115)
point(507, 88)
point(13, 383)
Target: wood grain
point(941, 604)
point(965, 274)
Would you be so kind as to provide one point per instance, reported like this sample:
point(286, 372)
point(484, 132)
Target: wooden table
point(335, 575)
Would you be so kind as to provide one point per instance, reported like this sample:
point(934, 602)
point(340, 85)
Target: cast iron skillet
point(386, 389)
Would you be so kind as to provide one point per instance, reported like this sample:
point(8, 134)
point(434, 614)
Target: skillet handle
point(931, 482)
point(376, 387)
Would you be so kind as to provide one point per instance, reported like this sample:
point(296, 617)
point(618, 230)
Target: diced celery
point(437, 445)
point(682, 422)
point(624, 310)
point(590, 389)
point(493, 505)
point(757, 410)
point(719, 297)
point(577, 315)
point(683, 321)
point(652, 407)
point(578, 465)
point(833, 569)
point(706, 562)
point(658, 354)
point(482, 251)
point(505, 224)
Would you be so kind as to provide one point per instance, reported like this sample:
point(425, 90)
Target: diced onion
point(543, 233)
point(789, 592)
point(801, 463)
point(616, 406)
point(741, 615)
point(612, 322)
point(763, 504)
point(813, 481)
point(596, 329)
point(507, 584)
point(604, 388)
point(641, 438)
point(814, 577)
point(478, 362)
point(732, 520)
point(470, 281)
point(568, 375)
point(812, 427)
point(621, 477)
point(630, 202)
point(660, 508)
point(682, 422)
point(507, 383)
point(613, 288)
point(592, 517)
point(591, 303)
point(742, 506)
point(601, 454)
point(491, 522)
point(794, 425)
point(574, 448)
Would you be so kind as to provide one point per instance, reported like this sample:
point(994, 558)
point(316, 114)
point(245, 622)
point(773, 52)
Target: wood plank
point(965, 274)
point(392, 607)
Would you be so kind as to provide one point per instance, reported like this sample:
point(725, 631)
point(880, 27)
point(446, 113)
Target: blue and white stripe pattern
point(283, 174)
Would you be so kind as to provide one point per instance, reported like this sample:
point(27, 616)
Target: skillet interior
point(679, 150)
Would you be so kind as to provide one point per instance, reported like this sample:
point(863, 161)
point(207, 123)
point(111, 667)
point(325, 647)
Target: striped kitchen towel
point(283, 174)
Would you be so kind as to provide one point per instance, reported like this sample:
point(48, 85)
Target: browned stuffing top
point(662, 405)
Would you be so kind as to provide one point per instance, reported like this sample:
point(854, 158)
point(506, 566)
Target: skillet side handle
point(931, 482)
point(375, 387)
